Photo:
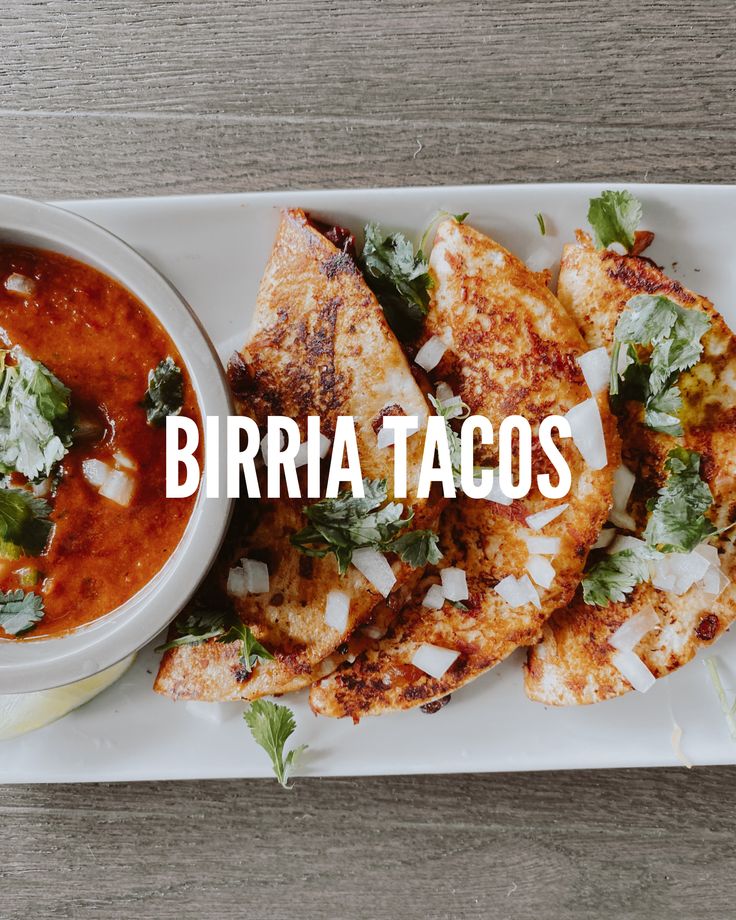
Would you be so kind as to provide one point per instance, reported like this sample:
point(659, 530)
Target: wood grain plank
point(592, 845)
point(577, 62)
point(93, 156)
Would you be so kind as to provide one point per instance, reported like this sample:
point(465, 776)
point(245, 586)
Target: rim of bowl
point(40, 664)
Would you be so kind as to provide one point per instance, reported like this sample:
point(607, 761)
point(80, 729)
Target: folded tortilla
point(319, 345)
point(574, 664)
point(512, 349)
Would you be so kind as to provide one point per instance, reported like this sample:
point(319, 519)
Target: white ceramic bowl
point(39, 664)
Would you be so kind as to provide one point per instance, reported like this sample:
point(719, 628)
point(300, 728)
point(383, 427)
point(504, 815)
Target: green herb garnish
point(19, 611)
point(400, 279)
point(24, 521)
point(728, 711)
point(196, 628)
point(614, 218)
point(271, 726)
point(451, 409)
point(165, 393)
point(674, 336)
point(615, 576)
point(251, 650)
point(542, 225)
point(418, 548)
point(346, 523)
point(677, 523)
point(34, 418)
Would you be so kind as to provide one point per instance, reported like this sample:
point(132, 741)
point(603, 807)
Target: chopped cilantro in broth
point(76, 394)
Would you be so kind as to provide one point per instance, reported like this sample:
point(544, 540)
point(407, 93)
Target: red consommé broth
point(101, 341)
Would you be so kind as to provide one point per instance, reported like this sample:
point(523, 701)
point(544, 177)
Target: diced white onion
point(374, 567)
point(41, 489)
point(118, 487)
point(586, 428)
point(621, 519)
point(433, 660)
point(632, 631)
point(715, 582)
point(373, 632)
point(95, 472)
point(430, 354)
point(124, 461)
point(454, 584)
point(634, 670)
point(452, 402)
point(434, 598)
point(543, 546)
point(623, 483)
point(236, 584)
point(541, 570)
point(596, 368)
point(678, 572)
point(443, 392)
point(20, 284)
point(710, 553)
point(532, 593)
point(518, 591)
point(605, 538)
point(337, 610)
point(257, 579)
point(540, 259)
point(265, 445)
point(494, 494)
point(301, 457)
point(250, 577)
point(623, 541)
point(542, 518)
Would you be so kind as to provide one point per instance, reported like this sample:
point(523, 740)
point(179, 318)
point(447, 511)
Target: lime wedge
point(25, 712)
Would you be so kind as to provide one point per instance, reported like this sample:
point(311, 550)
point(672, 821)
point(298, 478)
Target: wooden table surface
point(135, 98)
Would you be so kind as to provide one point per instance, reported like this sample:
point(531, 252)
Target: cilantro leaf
point(450, 409)
point(346, 523)
point(615, 576)
point(19, 611)
point(24, 520)
point(201, 625)
point(674, 335)
point(418, 548)
point(399, 278)
point(251, 649)
point(661, 409)
point(271, 726)
point(614, 218)
point(196, 628)
point(677, 522)
point(34, 418)
point(165, 393)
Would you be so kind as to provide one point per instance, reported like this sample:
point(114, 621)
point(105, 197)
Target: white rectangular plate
point(214, 248)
